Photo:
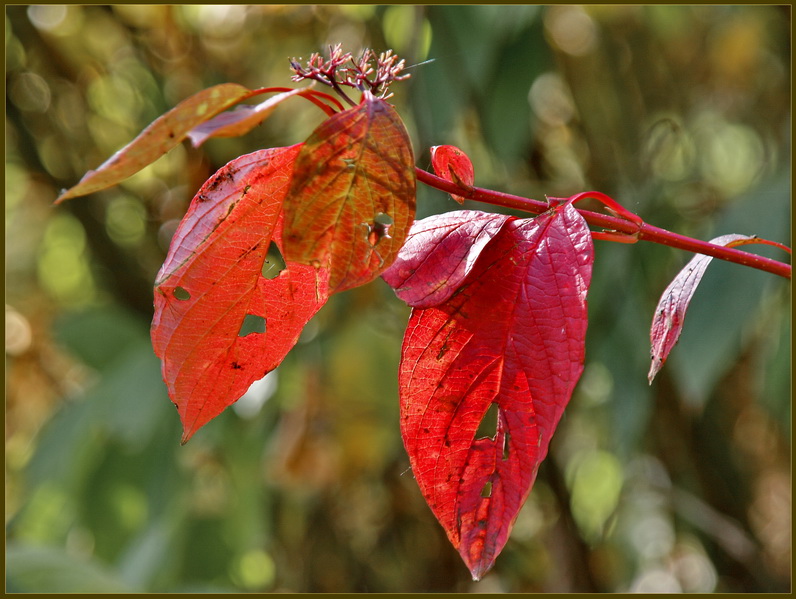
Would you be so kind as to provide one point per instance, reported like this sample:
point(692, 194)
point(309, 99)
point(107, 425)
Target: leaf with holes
point(669, 317)
point(352, 200)
point(453, 165)
point(512, 335)
point(223, 318)
point(439, 253)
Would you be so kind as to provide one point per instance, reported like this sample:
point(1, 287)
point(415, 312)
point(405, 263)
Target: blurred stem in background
point(680, 113)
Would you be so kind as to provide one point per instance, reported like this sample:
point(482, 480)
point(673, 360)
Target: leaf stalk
point(613, 225)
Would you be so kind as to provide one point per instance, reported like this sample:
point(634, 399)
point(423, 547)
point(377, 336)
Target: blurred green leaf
point(31, 569)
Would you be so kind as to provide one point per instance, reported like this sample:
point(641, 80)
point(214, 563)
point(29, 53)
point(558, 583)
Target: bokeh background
point(680, 113)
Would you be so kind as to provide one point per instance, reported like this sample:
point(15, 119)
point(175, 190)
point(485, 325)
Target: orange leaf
point(159, 137)
point(239, 121)
point(212, 283)
point(352, 200)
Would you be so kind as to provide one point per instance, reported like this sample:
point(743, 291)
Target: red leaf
point(453, 165)
point(212, 279)
point(667, 323)
point(159, 137)
point(512, 335)
point(353, 195)
point(439, 253)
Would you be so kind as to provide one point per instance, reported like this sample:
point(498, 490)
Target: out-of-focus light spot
point(16, 186)
point(693, 569)
point(735, 48)
point(253, 570)
point(595, 479)
point(361, 12)
point(166, 232)
point(731, 155)
point(125, 221)
point(734, 158)
point(771, 518)
point(668, 150)
point(656, 581)
point(540, 512)
point(596, 384)
point(217, 20)
point(16, 58)
point(30, 92)
point(62, 268)
point(652, 536)
point(114, 98)
point(402, 33)
point(47, 17)
point(550, 100)
point(564, 158)
point(47, 517)
point(571, 29)
point(105, 36)
point(250, 403)
point(130, 506)
point(19, 335)
point(145, 16)
point(51, 152)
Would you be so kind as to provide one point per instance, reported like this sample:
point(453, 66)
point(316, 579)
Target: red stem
point(644, 231)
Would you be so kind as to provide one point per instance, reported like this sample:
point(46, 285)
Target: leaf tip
point(186, 435)
point(479, 569)
point(655, 367)
point(63, 195)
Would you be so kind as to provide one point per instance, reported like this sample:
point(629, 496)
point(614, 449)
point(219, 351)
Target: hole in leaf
point(380, 229)
point(252, 324)
point(487, 490)
point(181, 294)
point(274, 262)
point(506, 438)
point(383, 219)
point(488, 426)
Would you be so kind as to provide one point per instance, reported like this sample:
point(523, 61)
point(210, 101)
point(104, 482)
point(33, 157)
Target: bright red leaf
point(667, 323)
point(439, 253)
point(512, 335)
point(212, 284)
point(353, 195)
point(453, 165)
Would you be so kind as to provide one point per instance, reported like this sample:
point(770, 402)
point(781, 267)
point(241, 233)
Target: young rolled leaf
point(453, 165)
point(352, 199)
point(669, 317)
point(212, 284)
point(439, 253)
point(512, 335)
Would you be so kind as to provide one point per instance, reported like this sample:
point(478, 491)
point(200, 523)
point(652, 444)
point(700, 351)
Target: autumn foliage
point(499, 303)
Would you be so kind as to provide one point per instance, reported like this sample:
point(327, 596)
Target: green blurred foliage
point(680, 113)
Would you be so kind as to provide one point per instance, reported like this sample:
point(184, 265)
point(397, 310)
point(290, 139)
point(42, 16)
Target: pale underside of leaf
point(669, 317)
point(439, 253)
